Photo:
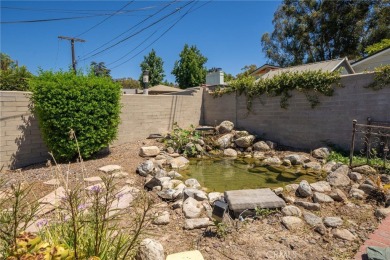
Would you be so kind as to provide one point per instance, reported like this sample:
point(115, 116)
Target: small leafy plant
point(183, 140)
point(382, 78)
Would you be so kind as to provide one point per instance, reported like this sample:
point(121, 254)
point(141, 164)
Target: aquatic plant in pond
point(245, 173)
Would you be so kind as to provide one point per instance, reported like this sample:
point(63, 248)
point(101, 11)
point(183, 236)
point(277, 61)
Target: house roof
point(163, 89)
point(329, 66)
point(370, 56)
point(265, 66)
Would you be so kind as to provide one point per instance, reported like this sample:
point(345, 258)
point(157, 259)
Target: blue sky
point(226, 32)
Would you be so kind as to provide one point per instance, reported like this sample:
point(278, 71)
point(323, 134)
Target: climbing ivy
point(312, 83)
point(382, 78)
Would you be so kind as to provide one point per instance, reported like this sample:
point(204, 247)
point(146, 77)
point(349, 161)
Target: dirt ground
point(263, 238)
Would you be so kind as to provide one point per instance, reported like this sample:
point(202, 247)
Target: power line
point(165, 32)
point(53, 19)
point(147, 27)
point(96, 25)
point(134, 26)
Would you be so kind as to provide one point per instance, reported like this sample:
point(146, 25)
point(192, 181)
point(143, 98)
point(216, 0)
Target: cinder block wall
point(301, 126)
point(21, 140)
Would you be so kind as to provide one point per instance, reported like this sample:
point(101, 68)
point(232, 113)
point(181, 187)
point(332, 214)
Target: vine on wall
point(312, 83)
point(382, 78)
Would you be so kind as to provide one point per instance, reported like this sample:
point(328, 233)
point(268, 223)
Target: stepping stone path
point(240, 200)
point(51, 201)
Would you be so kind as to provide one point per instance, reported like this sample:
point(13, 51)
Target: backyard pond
point(244, 173)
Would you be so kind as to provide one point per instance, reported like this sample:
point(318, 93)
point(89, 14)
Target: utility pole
point(72, 40)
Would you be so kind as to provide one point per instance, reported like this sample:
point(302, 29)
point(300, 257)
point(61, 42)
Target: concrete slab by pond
point(240, 200)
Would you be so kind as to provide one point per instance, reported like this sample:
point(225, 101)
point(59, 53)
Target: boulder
point(245, 141)
point(313, 166)
point(292, 223)
point(312, 219)
point(328, 166)
point(149, 151)
point(355, 176)
point(271, 145)
point(192, 208)
point(339, 177)
point(177, 204)
point(304, 189)
point(367, 188)
point(278, 190)
point(224, 141)
point(338, 195)
point(167, 194)
point(356, 193)
point(321, 186)
point(196, 223)
point(321, 198)
point(214, 196)
point(364, 169)
point(321, 153)
point(308, 205)
point(225, 127)
point(239, 134)
point(153, 182)
point(286, 163)
point(179, 162)
point(150, 249)
point(321, 229)
point(333, 222)
point(343, 234)
point(272, 161)
point(259, 155)
point(291, 187)
point(145, 168)
point(199, 195)
point(291, 211)
point(192, 183)
point(261, 146)
point(110, 169)
point(174, 175)
point(382, 212)
point(170, 150)
point(295, 159)
point(161, 218)
point(229, 152)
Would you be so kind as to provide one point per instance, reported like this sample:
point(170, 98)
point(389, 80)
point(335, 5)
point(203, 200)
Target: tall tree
point(316, 30)
point(128, 83)
point(154, 64)
point(100, 69)
point(190, 70)
point(246, 71)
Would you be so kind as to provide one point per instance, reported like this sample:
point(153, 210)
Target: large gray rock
point(225, 127)
point(316, 166)
point(321, 186)
point(355, 176)
point(245, 141)
point(214, 196)
point(199, 195)
point(196, 223)
point(272, 161)
point(356, 193)
point(224, 141)
point(292, 223)
point(153, 182)
point(192, 183)
point(149, 151)
point(339, 178)
point(240, 200)
point(169, 194)
point(338, 195)
point(150, 249)
point(192, 208)
point(328, 166)
point(162, 218)
point(261, 146)
point(179, 162)
point(321, 153)
point(312, 219)
point(321, 198)
point(295, 159)
point(308, 205)
point(343, 234)
point(367, 188)
point(291, 211)
point(239, 134)
point(333, 222)
point(229, 152)
point(145, 168)
point(365, 169)
point(304, 189)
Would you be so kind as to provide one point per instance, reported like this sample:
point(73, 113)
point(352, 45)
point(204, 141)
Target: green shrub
point(88, 105)
point(15, 79)
point(382, 78)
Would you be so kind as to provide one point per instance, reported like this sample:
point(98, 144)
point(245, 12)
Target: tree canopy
point(128, 83)
point(100, 69)
point(189, 70)
point(246, 71)
point(154, 64)
point(13, 77)
point(377, 46)
point(316, 30)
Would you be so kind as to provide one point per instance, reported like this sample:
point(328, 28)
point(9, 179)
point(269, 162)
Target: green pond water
point(244, 173)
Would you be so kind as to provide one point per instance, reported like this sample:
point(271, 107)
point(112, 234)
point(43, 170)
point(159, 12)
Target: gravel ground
point(263, 238)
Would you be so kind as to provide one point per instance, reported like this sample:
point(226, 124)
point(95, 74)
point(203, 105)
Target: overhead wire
point(105, 19)
point(88, 55)
point(52, 19)
point(165, 32)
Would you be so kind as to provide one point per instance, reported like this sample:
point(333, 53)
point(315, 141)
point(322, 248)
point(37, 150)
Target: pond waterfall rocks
point(315, 205)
